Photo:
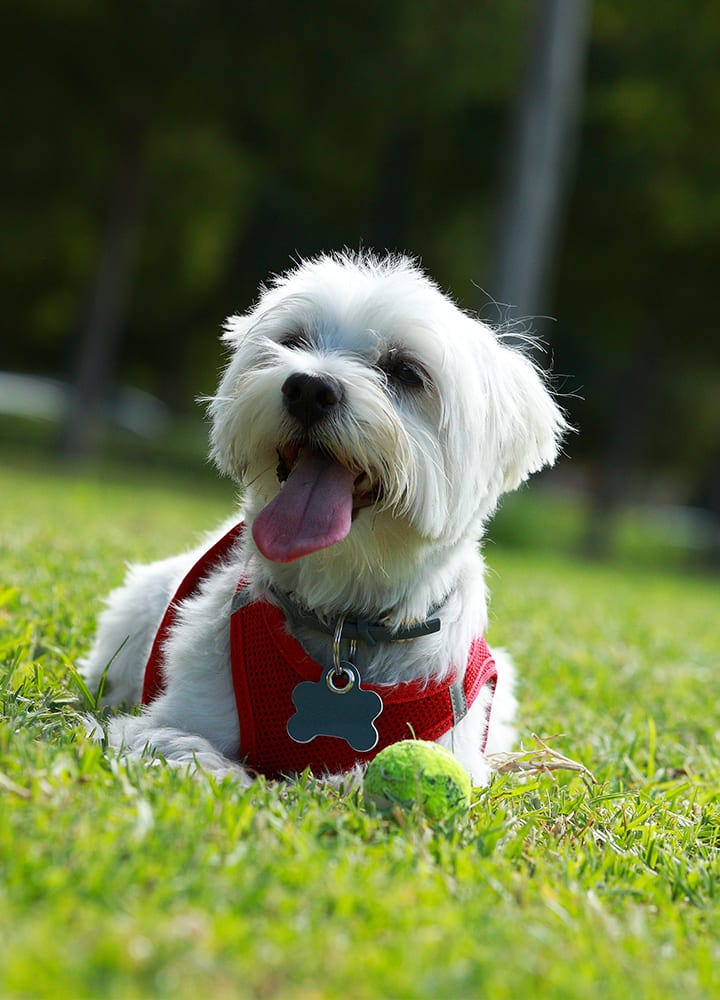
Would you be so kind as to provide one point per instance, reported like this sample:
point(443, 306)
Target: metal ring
point(337, 640)
point(345, 672)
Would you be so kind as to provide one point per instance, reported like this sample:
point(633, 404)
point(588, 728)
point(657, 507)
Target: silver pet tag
point(336, 705)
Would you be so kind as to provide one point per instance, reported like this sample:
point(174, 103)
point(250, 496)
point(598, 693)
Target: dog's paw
point(132, 738)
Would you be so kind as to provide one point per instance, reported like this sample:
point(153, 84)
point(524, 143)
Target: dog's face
point(367, 414)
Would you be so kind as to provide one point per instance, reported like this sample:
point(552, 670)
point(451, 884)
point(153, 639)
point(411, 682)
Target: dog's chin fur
point(438, 419)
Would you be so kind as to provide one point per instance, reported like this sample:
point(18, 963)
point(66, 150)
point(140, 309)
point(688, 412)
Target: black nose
point(309, 398)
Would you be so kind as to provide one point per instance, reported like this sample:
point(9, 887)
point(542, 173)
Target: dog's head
point(365, 412)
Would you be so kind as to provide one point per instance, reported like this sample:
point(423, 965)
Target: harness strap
point(154, 683)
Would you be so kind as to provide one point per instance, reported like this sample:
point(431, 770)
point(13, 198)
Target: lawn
point(123, 881)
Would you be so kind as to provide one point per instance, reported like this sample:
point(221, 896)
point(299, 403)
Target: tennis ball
point(417, 773)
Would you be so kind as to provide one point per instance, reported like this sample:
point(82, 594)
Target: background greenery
point(124, 881)
point(229, 137)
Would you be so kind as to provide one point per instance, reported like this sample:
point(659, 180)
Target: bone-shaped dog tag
point(336, 706)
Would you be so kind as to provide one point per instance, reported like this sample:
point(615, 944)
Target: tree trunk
point(109, 301)
point(541, 156)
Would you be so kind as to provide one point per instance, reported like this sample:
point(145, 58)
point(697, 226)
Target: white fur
point(481, 422)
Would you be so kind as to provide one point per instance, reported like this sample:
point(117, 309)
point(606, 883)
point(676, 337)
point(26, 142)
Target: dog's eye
point(407, 374)
point(294, 341)
point(403, 372)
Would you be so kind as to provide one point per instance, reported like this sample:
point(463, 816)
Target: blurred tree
point(270, 130)
point(636, 272)
point(539, 166)
point(261, 139)
point(107, 313)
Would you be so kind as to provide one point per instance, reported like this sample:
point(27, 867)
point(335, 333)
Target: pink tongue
point(311, 511)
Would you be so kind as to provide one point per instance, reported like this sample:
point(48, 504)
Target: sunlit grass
point(124, 881)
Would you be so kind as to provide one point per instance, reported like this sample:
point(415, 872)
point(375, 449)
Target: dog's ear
point(529, 424)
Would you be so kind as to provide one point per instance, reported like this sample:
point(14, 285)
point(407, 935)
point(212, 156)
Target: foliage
point(269, 130)
point(120, 880)
point(261, 139)
point(633, 287)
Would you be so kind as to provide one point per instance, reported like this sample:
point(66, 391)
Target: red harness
point(268, 663)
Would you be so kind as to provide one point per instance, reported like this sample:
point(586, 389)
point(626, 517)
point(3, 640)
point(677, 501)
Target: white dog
point(374, 427)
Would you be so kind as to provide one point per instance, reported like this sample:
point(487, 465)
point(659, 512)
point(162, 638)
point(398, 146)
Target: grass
point(123, 881)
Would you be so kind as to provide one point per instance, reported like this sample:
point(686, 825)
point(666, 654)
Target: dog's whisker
point(214, 399)
point(254, 480)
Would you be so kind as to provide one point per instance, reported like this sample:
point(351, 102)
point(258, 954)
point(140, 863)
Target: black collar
point(370, 632)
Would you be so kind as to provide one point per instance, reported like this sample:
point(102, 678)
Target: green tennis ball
point(417, 773)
